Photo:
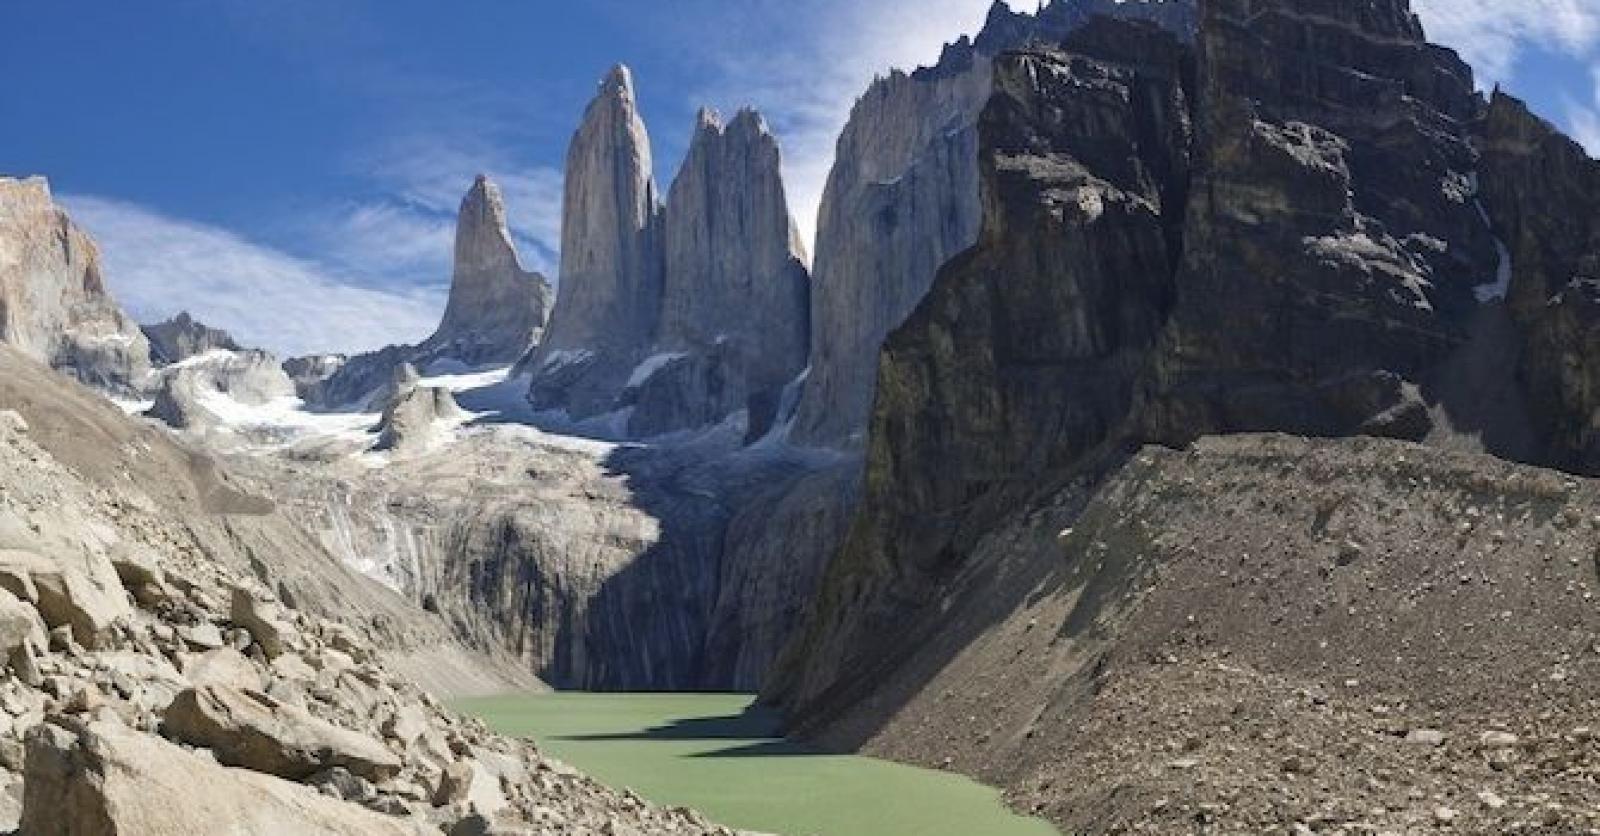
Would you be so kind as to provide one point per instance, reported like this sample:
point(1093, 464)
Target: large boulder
point(257, 732)
point(103, 779)
point(69, 587)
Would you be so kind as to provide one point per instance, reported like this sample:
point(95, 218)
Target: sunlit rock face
point(54, 306)
point(497, 310)
point(673, 317)
point(612, 259)
point(902, 199)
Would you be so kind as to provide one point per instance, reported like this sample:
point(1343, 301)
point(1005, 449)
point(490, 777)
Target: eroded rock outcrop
point(496, 315)
point(181, 337)
point(1025, 356)
point(496, 311)
point(612, 259)
point(54, 306)
point(418, 418)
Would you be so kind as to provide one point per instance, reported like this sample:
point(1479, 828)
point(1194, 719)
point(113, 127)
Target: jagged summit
point(497, 310)
point(181, 337)
point(672, 317)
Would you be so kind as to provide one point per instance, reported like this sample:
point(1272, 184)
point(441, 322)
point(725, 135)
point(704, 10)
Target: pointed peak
point(708, 120)
point(619, 80)
point(748, 124)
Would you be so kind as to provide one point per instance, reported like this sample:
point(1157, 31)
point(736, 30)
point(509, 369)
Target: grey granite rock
point(182, 337)
point(611, 259)
point(497, 310)
point(736, 299)
point(54, 306)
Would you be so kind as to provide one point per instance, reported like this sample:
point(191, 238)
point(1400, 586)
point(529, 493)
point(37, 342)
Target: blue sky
point(289, 169)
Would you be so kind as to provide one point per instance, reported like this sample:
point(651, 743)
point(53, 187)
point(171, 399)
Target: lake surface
point(711, 753)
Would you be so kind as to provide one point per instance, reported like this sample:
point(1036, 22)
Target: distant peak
point(748, 121)
point(619, 79)
point(708, 120)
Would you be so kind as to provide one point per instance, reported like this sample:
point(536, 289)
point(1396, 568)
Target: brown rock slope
point(1263, 632)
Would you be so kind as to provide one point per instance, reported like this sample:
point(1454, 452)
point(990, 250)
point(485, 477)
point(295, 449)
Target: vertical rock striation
point(496, 311)
point(54, 306)
point(611, 259)
point(736, 303)
point(1543, 192)
point(902, 199)
point(673, 318)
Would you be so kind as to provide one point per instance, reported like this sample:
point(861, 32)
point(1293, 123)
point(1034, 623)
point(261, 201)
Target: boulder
point(255, 731)
point(77, 588)
point(222, 666)
point(19, 625)
point(264, 619)
point(103, 779)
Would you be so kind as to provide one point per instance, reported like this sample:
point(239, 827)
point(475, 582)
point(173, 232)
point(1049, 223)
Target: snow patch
point(1495, 290)
point(559, 359)
point(647, 369)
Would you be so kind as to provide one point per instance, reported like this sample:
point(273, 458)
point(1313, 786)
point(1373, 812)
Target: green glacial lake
point(707, 751)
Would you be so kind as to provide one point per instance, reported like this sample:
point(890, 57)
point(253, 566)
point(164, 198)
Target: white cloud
point(157, 265)
point(406, 244)
point(430, 175)
point(1492, 34)
point(1585, 118)
point(805, 78)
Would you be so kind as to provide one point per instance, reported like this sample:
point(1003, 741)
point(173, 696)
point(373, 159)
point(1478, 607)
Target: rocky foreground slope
point(165, 630)
point(1264, 634)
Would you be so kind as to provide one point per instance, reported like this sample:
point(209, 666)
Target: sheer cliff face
point(737, 292)
point(497, 310)
point(1335, 248)
point(1543, 191)
point(54, 306)
point(611, 258)
point(673, 318)
point(1313, 256)
point(902, 199)
point(1024, 356)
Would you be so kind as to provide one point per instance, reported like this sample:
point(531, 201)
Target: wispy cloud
point(157, 265)
point(427, 176)
point(805, 77)
point(1585, 117)
point(1492, 35)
